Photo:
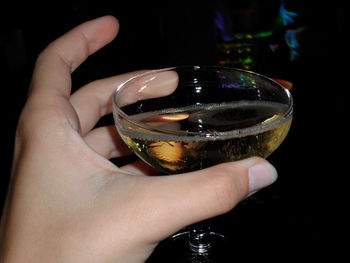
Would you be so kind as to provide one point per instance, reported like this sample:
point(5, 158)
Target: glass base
point(178, 249)
point(200, 238)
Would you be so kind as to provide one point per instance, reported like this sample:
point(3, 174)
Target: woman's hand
point(68, 203)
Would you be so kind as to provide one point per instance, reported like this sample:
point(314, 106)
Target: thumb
point(185, 199)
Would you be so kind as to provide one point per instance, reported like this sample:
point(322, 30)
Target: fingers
point(182, 200)
point(153, 84)
point(107, 142)
point(56, 63)
point(94, 100)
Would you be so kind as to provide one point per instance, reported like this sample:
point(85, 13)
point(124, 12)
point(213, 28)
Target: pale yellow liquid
point(176, 154)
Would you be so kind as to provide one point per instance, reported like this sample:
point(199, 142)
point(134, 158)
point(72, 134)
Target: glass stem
point(199, 238)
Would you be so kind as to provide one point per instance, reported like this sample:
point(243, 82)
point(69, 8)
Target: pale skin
point(68, 203)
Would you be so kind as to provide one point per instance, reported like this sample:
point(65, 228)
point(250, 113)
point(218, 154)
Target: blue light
point(288, 17)
point(224, 24)
point(293, 43)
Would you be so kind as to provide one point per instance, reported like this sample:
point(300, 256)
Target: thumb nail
point(261, 175)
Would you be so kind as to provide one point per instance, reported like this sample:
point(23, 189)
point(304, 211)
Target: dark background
point(296, 218)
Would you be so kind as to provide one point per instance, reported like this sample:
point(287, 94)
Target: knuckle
point(37, 123)
point(224, 190)
point(229, 186)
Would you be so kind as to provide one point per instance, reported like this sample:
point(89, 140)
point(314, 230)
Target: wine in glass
point(183, 119)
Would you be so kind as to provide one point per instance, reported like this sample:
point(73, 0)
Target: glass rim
point(207, 134)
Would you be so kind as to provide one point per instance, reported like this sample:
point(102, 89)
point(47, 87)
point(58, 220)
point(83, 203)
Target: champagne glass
point(182, 119)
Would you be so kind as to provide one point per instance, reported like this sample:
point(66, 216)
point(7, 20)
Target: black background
point(296, 218)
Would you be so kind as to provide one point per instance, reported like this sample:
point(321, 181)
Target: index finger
point(94, 100)
point(55, 64)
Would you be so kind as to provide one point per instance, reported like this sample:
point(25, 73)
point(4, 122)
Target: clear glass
point(187, 118)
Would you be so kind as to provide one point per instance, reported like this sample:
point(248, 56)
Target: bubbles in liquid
point(208, 121)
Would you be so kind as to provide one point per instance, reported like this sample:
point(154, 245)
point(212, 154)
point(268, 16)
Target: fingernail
point(261, 175)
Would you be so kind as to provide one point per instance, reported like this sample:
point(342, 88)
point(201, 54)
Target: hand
point(68, 203)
